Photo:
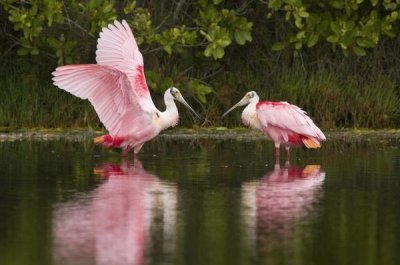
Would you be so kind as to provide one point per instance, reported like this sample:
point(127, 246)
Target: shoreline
point(348, 135)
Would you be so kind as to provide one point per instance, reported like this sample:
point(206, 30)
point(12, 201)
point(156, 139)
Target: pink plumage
point(117, 89)
point(281, 122)
point(287, 123)
point(113, 223)
point(280, 200)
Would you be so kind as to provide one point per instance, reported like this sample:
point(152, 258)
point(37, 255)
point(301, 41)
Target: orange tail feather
point(99, 140)
point(311, 143)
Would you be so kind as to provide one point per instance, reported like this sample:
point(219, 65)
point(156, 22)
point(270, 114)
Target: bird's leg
point(137, 164)
point(137, 149)
point(125, 163)
point(277, 163)
point(126, 150)
point(287, 153)
point(277, 145)
point(287, 164)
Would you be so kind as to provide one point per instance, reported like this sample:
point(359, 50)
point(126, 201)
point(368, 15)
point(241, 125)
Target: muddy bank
point(383, 136)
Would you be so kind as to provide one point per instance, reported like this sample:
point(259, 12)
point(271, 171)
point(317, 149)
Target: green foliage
point(175, 39)
point(352, 26)
point(199, 89)
point(69, 29)
point(220, 28)
point(31, 19)
point(158, 83)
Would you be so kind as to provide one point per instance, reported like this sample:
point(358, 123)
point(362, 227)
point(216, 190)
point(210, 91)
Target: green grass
point(337, 92)
point(30, 100)
point(334, 98)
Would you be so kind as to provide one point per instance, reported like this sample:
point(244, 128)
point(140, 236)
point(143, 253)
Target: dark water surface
point(198, 202)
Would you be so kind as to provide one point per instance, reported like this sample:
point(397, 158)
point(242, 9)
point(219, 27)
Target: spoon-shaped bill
point(183, 101)
point(242, 102)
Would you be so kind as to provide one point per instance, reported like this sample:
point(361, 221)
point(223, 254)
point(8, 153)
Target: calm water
point(198, 202)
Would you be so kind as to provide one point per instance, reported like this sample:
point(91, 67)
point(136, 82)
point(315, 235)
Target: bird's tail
point(311, 142)
point(98, 140)
point(102, 139)
point(109, 141)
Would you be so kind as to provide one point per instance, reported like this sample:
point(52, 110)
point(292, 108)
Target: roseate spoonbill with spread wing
point(281, 122)
point(117, 88)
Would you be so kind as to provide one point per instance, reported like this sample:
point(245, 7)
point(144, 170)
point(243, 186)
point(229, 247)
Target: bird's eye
point(172, 92)
point(250, 95)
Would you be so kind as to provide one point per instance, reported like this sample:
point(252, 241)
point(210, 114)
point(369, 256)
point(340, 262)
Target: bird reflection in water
point(116, 222)
point(281, 202)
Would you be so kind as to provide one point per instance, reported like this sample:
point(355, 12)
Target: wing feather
point(289, 117)
point(117, 48)
point(116, 86)
point(109, 91)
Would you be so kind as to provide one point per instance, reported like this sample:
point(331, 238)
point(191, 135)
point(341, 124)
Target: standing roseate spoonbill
point(281, 122)
point(117, 88)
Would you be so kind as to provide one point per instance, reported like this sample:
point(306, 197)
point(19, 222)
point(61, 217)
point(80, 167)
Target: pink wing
point(288, 117)
point(117, 48)
point(111, 94)
point(116, 87)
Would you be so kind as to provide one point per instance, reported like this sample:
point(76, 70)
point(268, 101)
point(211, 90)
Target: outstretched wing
point(111, 94)
point(287, 116)
point(117, 48)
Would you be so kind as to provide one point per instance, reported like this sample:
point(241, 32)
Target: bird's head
point(176, 95)
point(250, 97)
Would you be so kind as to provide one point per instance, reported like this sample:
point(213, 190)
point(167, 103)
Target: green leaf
point(242, 36)
point(301, 35)
point(34, 51)
point(339, 4)
point(298, 45)
point(108, 8)
point(359, 51)
point(208, 51)
point(275, 4)
point(278, 46)
point(218, 53)
point(335, 27)
point(288, 15)
point(168, 49)
point(23, 51)
point(303, 13)
point(298, 22)
point(333, 39)
point(153, 79)
point(129, 7)
point(364, 42)
point(312, 40)
point(223, 42)
point(199, 89)
point(53, 42)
